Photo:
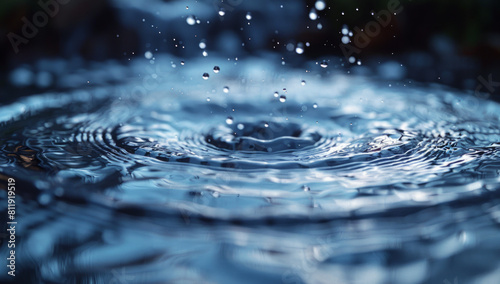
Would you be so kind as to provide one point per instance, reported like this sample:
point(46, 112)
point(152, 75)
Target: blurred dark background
point(452, 42)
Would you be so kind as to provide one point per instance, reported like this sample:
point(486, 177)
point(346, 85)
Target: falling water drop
point(315, 105)
point(320, 5)
point(241, 126)
point(206, 76)
point(216, 69)
point(312, 15)
point(202, 45)
point(303, 82)
point(300, 48)
point(226, 89)
point(324, 64)
point(266, 124)
point(182, 63)
point(148, 55)
point(222, 12)
point(306, 188)
point(276, 94)
point(229, 120)
point(248, 16)
point(190, 20)
point(282, 98)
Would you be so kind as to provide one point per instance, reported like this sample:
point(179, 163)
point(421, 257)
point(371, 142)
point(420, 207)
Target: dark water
point(170, 178)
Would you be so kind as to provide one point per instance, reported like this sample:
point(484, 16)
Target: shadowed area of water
point(173, 177)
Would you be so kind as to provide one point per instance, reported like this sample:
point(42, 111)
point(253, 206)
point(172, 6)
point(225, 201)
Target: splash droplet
point(226, 89)
point(282, 98)
point(216, 69)
point(248, 16)
point(303, 82)
point(229, 120)
point(206, 76)
point(324, 64)
point(190, 20)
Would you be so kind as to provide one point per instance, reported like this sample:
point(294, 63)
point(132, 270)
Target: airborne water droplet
point(312, 15)
point(303, 82)
point(248, 16)
point(320, 5)
point(216, 69)
point(206, 76)
point(324, 64)
point(306, 188)
point(190, 20)
point(226, 89)
point(276, 94)
point(222, 12)
point(229, 120)
point(282, 98)
point(266, 124)
point(241, 126)
point(315, 105)
point(148, 55)
point(182, 63)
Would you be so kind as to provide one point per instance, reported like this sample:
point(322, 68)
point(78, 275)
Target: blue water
point(148, 173)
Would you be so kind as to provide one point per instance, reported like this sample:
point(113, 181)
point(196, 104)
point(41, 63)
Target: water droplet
point(216, 69)
point(282, 98)
point(352, 59)
point(276, 94)
point(182, 63)
point(345, 39)
point(303, 82)
point(208, 99)
point(324, 64)
point(202, 45)
point(229, 120)
point(266, 124)
point(312, 15)
point(315, 105)
point(359, 62)
point(206, 76)
point(226, 89)
point(241, 126)
point(148, 55)
point(300, 48)
point(345, 30)
point(320, 5)
point(205, 54)
point(222, 12)
point(190, 20)
point(248, 16)
point(306, 188)
point(319, 26)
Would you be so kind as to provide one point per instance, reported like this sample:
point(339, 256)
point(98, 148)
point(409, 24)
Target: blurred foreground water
point(254, 173)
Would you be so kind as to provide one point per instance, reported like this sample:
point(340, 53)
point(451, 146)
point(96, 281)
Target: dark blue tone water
point(172, 178)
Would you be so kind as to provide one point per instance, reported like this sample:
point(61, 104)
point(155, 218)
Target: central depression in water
point(216, 179)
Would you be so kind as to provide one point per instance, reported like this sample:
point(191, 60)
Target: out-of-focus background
point(456, 43)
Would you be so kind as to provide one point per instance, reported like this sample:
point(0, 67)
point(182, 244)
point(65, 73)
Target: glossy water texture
point(171, 178)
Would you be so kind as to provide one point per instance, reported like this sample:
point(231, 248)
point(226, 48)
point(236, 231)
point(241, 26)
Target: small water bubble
point(306, 188)
point(352, 59)
point(206, 76)
point(248, 16)
point(216, 69)
point(315, 105)
point(148, 55)
point(222, 12)
point(190, 20)
point(241, 126)
point(345, 39)
point(324, 64)
point(229, 120)
point(282, 98)
point(319, 26)
point(276, 94)
point(303, 82)
point(225, 89)
point(182, 63)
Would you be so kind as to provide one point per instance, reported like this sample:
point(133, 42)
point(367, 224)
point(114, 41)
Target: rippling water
point(171, 178)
